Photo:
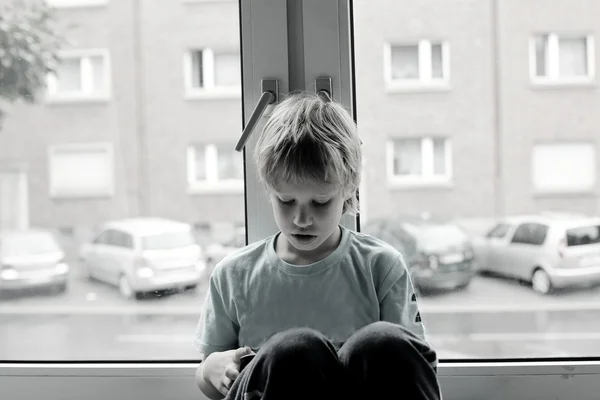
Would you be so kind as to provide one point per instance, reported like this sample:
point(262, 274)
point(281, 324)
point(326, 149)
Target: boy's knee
point(297, 345)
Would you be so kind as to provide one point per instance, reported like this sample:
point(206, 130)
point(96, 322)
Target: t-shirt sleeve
point(398, 300)
point(218, 327)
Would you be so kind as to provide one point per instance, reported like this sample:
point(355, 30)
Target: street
point(493, 318)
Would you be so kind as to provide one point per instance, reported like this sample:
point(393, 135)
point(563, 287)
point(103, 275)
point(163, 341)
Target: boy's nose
point(302, 219)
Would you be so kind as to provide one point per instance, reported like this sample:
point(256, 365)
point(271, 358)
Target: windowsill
point(68, 100)
point(81, 196)
point(419, 184)
point(78, 4)
point(564, 194)
point(418, 87)
point(210, 189)
point(543, 84)
point(212, 94)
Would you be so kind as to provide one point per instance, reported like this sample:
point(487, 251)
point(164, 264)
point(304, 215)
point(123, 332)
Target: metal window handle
point(269, 96)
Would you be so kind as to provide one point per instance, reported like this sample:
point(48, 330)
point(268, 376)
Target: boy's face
point(308, 214)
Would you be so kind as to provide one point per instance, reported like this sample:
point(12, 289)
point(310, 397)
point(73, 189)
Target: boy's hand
point(221, 369)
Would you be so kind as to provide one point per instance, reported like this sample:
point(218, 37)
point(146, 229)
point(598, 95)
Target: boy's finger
point(239, 353)
point(232, 373)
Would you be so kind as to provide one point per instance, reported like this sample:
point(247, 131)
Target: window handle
point(270, 89)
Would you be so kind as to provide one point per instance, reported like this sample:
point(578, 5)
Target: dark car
point(439, 254)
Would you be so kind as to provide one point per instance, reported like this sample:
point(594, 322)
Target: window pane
point(98, 73)
point(541, 55)
point(407, 157)
point(227, 70)
point(488, 154)
point(573, 57)
point(439, 157)
point(230, 163)
point(405, 62)
point(437, 65)
point(69, 75)
point(151, 165)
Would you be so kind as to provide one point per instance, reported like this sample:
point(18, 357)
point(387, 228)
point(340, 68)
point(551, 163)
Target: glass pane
point(227, 70)
point(516, 154)
point(230, 163)
point(98, 73)
point(407, 157)
point(405, 62)
point(573, 57)
point(69, 75)
point(135, 164)
point(439, 157)
point(437, 65)
point(541, 55)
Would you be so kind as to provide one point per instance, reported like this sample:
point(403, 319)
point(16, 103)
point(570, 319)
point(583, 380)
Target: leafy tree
point(29, 44)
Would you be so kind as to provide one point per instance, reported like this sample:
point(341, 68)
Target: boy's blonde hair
point(310, 139)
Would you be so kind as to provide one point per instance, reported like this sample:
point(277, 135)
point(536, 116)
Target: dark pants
point(380, 361)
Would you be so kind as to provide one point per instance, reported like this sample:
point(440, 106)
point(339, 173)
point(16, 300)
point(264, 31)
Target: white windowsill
point(82, 196)
point(77, 3)
point(212, 94)
point(419, 184)
point(210, 189)
point(418, 87)
point(564, 193)
point(584, 83)
point(74, 99)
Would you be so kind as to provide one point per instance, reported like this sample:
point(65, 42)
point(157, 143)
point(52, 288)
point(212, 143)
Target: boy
point(323, 312)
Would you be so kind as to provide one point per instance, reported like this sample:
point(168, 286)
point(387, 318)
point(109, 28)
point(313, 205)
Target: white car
point(144, 254)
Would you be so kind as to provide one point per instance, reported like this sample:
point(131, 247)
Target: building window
point(564, 167)
point(419, 160)
point(212, 72)
point(75, 3)
point(421, 64)
point(81, 170)
point(558, 58)
point(215, 167)
point(81, 75)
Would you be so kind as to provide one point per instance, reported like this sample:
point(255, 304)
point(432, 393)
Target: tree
point(29, 48)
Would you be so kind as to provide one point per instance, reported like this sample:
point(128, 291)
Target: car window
point(102, 238)
point(530, 233)
point(168, 240)
point(583, 235)
point(121, 239)
point(499, 231)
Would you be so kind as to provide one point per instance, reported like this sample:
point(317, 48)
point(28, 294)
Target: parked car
point(31, 258)
point(144, 254)
point(215, 252)
point(438, 253)
point(549, 251)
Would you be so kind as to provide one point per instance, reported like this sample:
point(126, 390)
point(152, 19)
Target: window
point(81, 75)
point(212, 72)
point(562, 58)
point(419, 64)
point(76, 3)
point(419, 160)
point(499, 231)
point(564, 167)
point(533, 234)
point(81, 170)
point(215, 167)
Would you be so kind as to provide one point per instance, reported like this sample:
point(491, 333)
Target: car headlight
point(200, 265)
point(8, 273)
point(144, 272)
point(62, 268)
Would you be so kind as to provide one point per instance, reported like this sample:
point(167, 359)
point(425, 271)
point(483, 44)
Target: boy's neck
point(291, 255)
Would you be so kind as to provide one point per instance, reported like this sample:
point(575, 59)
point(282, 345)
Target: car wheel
point(540, 281)
point(125, 288)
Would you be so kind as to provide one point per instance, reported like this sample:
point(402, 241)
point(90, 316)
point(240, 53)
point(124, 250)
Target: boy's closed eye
point(316, 203)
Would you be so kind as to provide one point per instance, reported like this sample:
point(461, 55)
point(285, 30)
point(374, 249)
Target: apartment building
point(467, 108)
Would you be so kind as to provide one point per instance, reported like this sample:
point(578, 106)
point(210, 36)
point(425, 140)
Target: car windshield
point(24, 244)
point(583, 235)
point(432, 237)
point(168, 240)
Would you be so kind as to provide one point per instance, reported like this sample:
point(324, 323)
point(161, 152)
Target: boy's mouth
point(302, 237)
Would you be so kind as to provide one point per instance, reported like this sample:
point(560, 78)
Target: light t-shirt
point(253, 294)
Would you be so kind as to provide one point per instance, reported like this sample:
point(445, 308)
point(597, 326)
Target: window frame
point(427, 178)
point(553, 77)
point(54, 96)
point(264, 34)
point(426, 81)
point(209, 90)
point(212, 184)
point(109, 191)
